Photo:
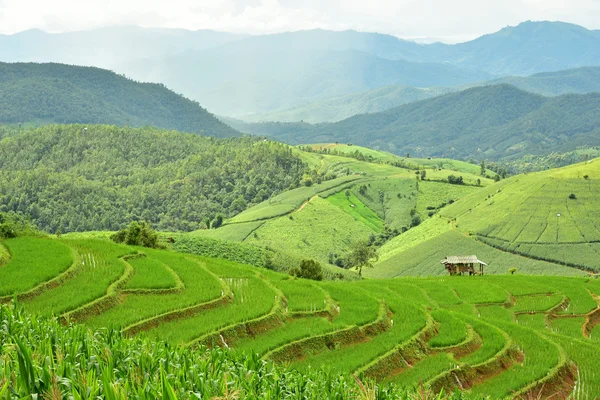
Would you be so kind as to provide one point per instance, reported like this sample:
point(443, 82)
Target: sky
point(446, 20)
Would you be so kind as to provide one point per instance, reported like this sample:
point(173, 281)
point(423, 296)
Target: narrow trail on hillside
point(305, 203)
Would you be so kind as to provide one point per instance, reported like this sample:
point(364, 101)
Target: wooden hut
point(459, 265)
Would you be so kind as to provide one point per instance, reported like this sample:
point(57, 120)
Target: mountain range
point(498, 122)
point(239, 75)
point(56, 93)
point(577, 80)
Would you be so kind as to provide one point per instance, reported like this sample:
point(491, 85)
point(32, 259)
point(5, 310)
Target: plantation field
point(495, 335)
point(552, 215)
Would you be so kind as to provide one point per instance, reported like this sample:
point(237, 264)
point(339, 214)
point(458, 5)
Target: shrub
point(572, 196)
point(308, 269)
point(137, 234)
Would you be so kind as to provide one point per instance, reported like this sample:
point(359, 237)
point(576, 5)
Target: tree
point(137, 234)
point(362, 255)
point(512, 271)
point(482, 165)
point(308, 269)
point(217, 222)
point(423, 175)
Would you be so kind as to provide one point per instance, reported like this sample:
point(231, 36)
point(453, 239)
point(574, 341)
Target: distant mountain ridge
point(497, 122)
point(577, 80)
point(44, 93)
point(239, 75)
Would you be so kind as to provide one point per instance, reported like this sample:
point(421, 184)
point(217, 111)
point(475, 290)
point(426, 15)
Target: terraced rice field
point(498, 336)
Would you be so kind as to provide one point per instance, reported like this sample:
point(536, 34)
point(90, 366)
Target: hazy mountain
point(341, 107)
point(578, 80)
point(526, 49)
point(44, 93)
point(240, 75)
point(233, 82)
point(106, 47)
point(492, 122)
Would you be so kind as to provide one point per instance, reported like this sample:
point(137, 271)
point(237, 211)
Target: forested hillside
point(497, 122)
point(99, 177)
point(45, 93)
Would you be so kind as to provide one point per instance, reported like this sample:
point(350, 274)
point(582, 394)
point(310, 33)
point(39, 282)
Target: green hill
point(578, 80)
point(99, 177)
point(485, 336)
point(535, 221)
point(338, 108)
point(55, 93)
point(497, 122)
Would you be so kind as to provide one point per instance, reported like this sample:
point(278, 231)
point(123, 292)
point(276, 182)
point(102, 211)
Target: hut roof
point(462, 260)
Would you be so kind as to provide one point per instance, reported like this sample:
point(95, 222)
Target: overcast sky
point(449, 20)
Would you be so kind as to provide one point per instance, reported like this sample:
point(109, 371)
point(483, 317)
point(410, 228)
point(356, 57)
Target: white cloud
point(407, 18)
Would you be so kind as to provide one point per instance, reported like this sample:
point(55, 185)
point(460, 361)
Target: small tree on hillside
point(137, 234)
point(308, 269)
point(362, 255)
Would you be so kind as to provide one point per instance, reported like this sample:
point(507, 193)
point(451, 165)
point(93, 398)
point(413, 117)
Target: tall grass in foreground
point(39, 358)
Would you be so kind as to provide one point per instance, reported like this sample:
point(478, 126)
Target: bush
point(455, 180)
point(13, 225)
point(137, 234)
point(308, 269)
point(572, 196)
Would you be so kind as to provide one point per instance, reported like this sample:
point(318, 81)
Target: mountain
point(341, 107)
point(239, 82)
point(497, 122)
point(99, 177)
point(238, 75)
point(106, 47)
point(43, 93)
point(577, 80)
point(527, 48)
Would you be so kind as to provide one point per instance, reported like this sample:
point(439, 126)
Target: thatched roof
point(462, 260)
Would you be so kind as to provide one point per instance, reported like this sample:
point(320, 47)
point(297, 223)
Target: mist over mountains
point(239, 75)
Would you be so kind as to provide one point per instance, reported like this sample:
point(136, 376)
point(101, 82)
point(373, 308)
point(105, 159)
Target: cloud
point(407, 18)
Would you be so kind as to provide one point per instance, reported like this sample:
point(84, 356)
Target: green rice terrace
point(489, 336)
point(217, 315)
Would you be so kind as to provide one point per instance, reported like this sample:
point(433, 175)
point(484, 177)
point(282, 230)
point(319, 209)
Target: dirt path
point(305, 203)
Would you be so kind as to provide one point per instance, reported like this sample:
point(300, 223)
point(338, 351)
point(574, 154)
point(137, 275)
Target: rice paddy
point(498, 335)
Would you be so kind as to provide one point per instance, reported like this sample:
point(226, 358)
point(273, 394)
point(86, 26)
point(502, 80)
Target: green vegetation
point(86, 95)
point(33, 261)
point(137, 234)
point(497, 122)
point(403, 330)
point(77, 178)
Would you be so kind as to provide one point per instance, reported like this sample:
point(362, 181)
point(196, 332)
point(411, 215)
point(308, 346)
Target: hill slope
point(68, 94)
point(493, 122)
point(577, 80)
point(98, 177)
point(545, 218)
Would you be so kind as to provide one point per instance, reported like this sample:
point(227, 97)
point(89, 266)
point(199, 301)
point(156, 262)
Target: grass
point(233, 232)
point(424, 370)
point(302, 295)
point(452, 330)
point(199, 287)
point(541, 355)
point(150, 274)
point(533, 215)
point(346, 327)
point(252, 298)
point(352, 205)
point(570, 327)
point(34, 261)
point(423, 259)
point(288, 201)
point(318, 229)
point(100, 266)
point(537, 303)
